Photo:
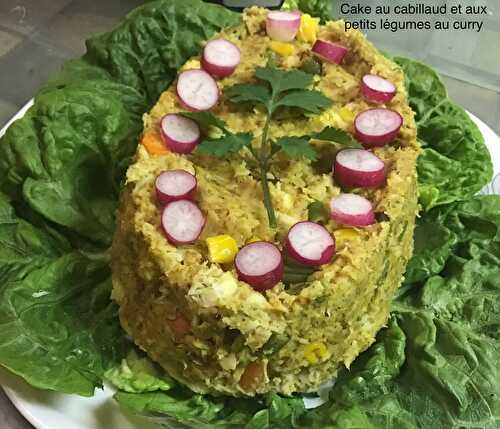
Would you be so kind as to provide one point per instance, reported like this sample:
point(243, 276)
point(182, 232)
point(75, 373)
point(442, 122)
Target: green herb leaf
point(455, 163)
point(284, 80)
point(230, 143)
point(205, 119)
point(339, 136)
point(317, 212)
point(248, 92)
point(296, 147)
point(308, 100)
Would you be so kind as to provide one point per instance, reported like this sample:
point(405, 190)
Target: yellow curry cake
point(241, 263)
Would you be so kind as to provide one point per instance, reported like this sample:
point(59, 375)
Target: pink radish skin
point(377, 89)
point(377, 127)
point(197, 90)
point(175, 185)
point(180, 134)
point(260, 264)
point(329, 51)
point(283, 26)
point(310, 244)
point(182, 222)
point(220, 58)
point(359, 168)
point(352, 210)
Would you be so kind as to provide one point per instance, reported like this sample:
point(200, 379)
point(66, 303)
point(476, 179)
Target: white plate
point(49, 410)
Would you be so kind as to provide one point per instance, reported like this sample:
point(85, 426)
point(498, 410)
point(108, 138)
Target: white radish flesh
point(283, 26)
point(377, 89)
point(352, 210)
point(220, 58)
point(310, 244)
point(377, 127)
point(329, 51)
point(197, 90)
point(180, 134)
point(175, 185)
point(358, 168)
point(260, 264)
point(182, 222)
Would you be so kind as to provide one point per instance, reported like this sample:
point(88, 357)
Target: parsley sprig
point(274, 89)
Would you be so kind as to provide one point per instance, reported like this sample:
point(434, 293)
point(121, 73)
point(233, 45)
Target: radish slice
point(175, 185)
point(329, 51)
point(377, 89)
point(376, 127)
point(180, 134)
point(356, 168)
point(310, 244)
point(351, 209)
point(182, 222)
point(220, 57)
point(197, 90)
point(282, 26)
point(259, 264)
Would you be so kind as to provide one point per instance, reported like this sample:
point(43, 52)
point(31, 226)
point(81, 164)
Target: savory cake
point(195, 317)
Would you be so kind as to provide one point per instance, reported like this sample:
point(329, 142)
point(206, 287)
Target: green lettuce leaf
point(423, 372)
point(436, 365)
point(433, 245)
point(155, 40)
point(467, 288)
point(66, 157)
point(455, 163)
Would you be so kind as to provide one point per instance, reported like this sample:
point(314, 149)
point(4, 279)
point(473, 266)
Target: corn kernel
point(253, 240)
point(346, 114)
point(315, 352)
point(308, 28)
point(344, 235)
point(222, 249)
point(282, 48)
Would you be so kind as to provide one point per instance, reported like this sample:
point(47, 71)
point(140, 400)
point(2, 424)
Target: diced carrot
point(181, 326)
point(154, 144)
point(253, 376)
